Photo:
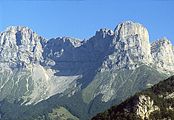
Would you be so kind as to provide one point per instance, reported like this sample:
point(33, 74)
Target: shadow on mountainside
point(85, 59)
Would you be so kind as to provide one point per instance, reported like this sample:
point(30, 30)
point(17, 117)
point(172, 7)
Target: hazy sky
point(81, 18)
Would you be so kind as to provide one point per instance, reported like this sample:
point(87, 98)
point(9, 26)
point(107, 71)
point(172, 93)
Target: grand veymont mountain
point(47, 79)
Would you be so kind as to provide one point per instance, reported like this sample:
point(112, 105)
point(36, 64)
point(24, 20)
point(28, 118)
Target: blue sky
point(81, 18)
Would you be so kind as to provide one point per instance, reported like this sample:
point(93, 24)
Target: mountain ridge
point(106, 69)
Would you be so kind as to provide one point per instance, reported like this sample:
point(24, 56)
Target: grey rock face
point(135, 39)
point(111, 64)
point(20, 50)
point(131, 43)
point(163, 54)
point(19, 46)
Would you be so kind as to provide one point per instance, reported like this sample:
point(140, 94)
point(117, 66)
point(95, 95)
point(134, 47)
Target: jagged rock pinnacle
point(163, 54)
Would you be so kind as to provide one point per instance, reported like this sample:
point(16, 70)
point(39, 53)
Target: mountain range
point(68, 78)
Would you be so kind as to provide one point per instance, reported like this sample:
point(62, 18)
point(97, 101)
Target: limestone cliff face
point(111, 65)
point(131, 46)
point(20, 52)
point(163, 54)
point(134, 38)
point(19, 46)
point(130, 50)
point(22, 75)
point(127, 47)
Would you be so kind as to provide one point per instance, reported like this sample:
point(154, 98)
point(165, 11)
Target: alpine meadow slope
point(40, 77)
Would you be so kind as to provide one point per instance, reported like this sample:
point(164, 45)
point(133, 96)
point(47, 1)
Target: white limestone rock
point(46, 84)
point(134, 39)
point(145, 106)
point(57, 64)
point(163, 54)
point(21, 55)
point(20, 46)
point(132, 47)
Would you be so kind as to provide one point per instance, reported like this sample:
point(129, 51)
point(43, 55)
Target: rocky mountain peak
point(163, 54)
point(129, 29)
point(134, 37)
point(18, 28)
point(23, 35)
point(20, 45)
point(161, 42)
point(100, 42)
point(110, 66)
point(71, 41)
point(104, 31)
point(132, 46)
